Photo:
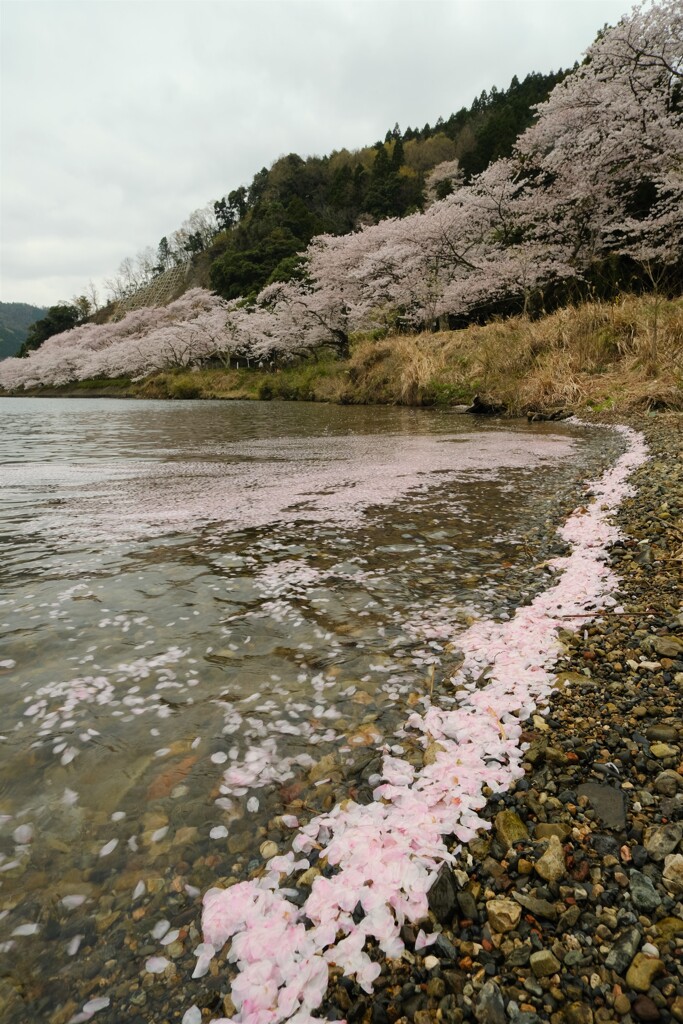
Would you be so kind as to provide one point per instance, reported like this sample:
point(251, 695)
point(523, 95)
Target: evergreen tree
point(59, 318)
point(379, 200)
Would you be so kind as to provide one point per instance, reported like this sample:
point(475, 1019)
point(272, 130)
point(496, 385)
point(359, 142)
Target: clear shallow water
point(213, 614)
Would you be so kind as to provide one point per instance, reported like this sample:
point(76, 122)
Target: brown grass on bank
point(622, 356)
point(626, 355)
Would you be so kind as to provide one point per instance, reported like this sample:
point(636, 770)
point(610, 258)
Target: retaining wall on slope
point(158, 292)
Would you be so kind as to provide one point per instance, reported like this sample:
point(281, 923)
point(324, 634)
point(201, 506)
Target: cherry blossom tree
point(191, 330)
point(602, 167)
point(599, 175)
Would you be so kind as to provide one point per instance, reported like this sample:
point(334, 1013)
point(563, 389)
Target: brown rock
point(669, 928)
point(622, 1004)
point(660, 840)
point(503, 915)
point(578, 1013)
point(544, 830)
point(544, 963)
point(644, 1009)
point(551, 866)
point(672, 876)
point(510, 828)
point(643, 970)
point(662, 750)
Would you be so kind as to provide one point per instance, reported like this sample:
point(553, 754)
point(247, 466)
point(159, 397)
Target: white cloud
point(120, 118)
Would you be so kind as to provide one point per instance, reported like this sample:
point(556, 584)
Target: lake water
point(214, 615)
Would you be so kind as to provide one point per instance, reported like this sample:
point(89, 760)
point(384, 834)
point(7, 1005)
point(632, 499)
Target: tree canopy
point(589, 199)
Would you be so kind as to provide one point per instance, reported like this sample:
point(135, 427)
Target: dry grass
point(622, 355)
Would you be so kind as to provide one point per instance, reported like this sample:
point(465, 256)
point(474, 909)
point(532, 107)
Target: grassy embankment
point(622, 356)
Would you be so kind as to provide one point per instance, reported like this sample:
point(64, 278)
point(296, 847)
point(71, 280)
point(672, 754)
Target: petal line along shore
point(385, 856)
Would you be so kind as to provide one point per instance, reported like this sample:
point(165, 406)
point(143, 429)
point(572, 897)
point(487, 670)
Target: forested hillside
point(588, 203)
point(251, 236)
point(15, 320)
point(266, 225)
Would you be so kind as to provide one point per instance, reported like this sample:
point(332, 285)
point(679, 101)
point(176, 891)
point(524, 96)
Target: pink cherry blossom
point(386, 855)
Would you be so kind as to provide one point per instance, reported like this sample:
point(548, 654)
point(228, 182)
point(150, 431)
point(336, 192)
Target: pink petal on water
point(156, 964)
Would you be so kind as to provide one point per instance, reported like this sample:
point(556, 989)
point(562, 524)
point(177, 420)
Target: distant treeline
point(15, 321)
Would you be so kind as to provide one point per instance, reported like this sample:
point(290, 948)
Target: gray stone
point(539, 908)
point(490, 1008)
point(519, 957)
point(664, 733)
point(573, 957)
point(544, 963)
point(643, 893)
point(531, 985)
point(607, 802)
point(624, 950)
point(444, 948)
point(525, 1017)
point(604, 845)
point(668, 783)
point(468, 905)
point(667, 646)
point(568, 918)
point(443, 895)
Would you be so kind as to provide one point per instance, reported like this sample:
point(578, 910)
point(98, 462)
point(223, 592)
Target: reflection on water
point(213, 616)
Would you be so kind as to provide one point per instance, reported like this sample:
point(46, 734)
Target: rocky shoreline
point(570, 910)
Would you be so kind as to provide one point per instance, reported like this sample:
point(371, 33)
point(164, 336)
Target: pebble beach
point(570, 909)
point(559, 899)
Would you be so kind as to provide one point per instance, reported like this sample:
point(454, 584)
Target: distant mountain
point(15, 320)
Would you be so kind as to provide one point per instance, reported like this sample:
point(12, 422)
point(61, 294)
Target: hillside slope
point(15, 320)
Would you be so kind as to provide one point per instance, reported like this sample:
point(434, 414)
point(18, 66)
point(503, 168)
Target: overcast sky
point(120, 117)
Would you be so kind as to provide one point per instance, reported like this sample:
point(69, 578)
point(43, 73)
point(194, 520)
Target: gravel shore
point(570, 910)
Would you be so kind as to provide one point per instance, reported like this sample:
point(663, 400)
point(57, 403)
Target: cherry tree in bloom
point(261, 333)
point(599, 174)
point(189, 331)
point(602, 167)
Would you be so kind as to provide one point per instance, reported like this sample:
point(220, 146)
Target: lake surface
point(212, 617)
